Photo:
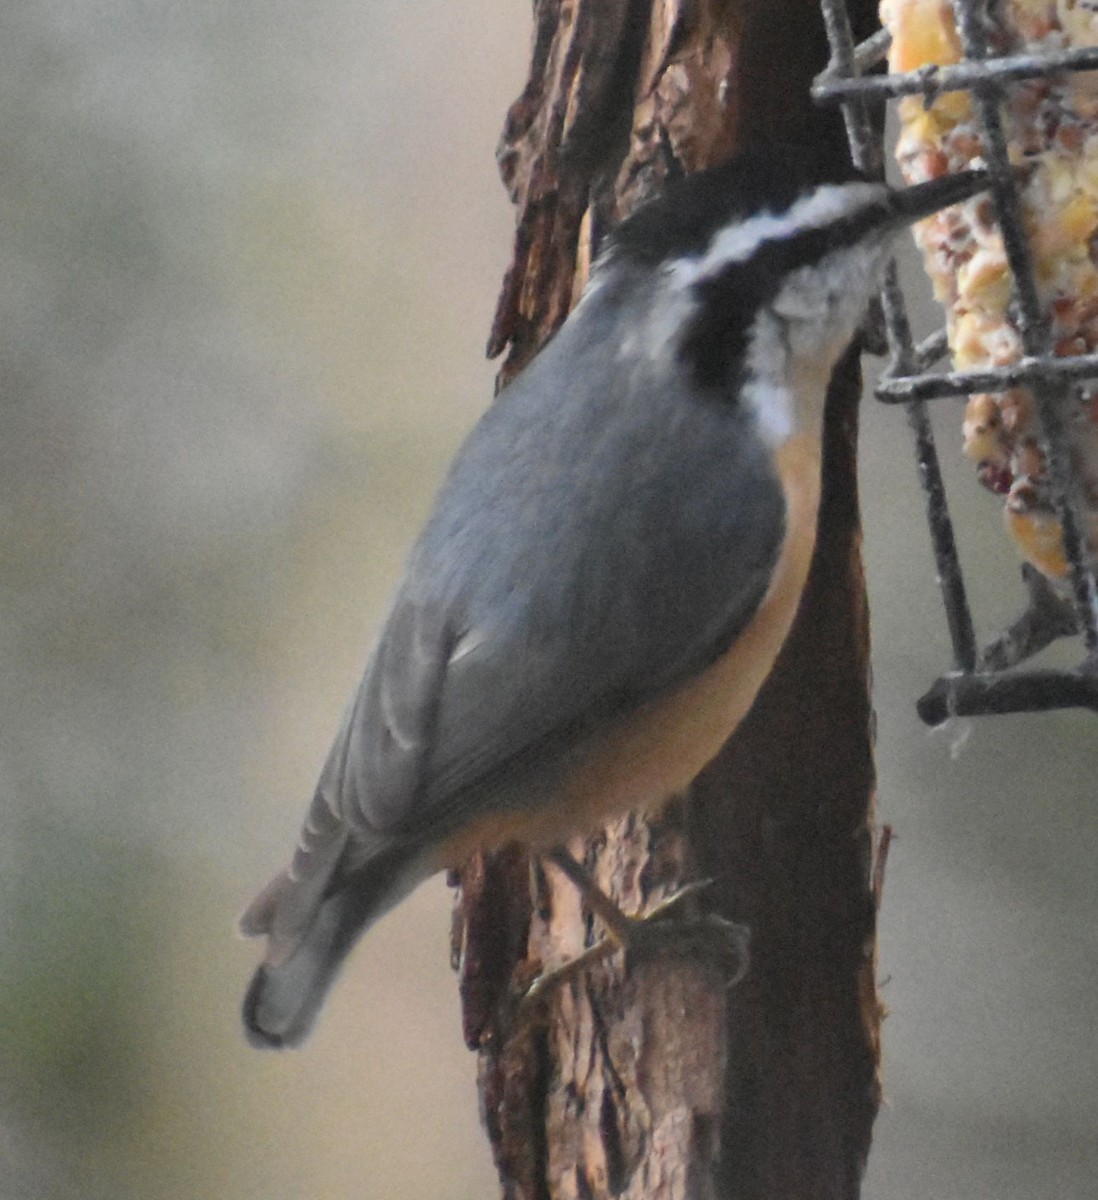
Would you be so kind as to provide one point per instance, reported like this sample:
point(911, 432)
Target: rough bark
point(658, 1082)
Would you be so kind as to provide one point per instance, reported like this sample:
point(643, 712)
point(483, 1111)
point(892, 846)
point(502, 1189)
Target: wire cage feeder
point(990, 679)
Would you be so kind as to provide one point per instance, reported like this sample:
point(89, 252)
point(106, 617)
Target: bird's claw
point(657, 932)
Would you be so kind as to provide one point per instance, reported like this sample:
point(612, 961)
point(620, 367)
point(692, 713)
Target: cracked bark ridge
point(634, 1121)
point(793, 857)
point(657, 1081)
point(557, 138)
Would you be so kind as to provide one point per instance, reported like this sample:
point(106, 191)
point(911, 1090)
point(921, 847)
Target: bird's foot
point(724, 942)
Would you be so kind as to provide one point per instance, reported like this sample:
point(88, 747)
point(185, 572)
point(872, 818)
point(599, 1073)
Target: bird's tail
point(289, 987)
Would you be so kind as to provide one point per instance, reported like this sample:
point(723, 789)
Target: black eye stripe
point(781, 255)
point(714, 342)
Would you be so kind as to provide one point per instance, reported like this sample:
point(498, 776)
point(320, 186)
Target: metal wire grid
point(986, 681)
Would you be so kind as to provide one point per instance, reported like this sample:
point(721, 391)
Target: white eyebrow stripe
point(737, 242)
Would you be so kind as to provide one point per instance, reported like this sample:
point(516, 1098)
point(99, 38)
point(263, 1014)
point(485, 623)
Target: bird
point(613, 560)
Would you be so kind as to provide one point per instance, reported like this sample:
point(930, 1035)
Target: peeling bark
point(657, 1081)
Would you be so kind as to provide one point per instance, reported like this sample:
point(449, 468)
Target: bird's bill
point(922, 199)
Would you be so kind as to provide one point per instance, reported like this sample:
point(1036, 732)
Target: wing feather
point(580, 560)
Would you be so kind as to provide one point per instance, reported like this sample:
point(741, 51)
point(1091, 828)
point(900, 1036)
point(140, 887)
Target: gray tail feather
point(285, 995)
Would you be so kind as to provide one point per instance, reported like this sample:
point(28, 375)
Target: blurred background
point(230, 380)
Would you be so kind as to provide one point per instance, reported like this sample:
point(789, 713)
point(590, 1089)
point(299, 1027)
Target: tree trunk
point(661, 1083)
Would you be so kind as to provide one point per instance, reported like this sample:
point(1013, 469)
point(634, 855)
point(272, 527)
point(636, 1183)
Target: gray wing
point(581, 559)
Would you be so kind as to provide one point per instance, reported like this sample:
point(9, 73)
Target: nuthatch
point(612, 564)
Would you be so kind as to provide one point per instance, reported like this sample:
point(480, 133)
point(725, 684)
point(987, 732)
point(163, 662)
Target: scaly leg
point(643, 935)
